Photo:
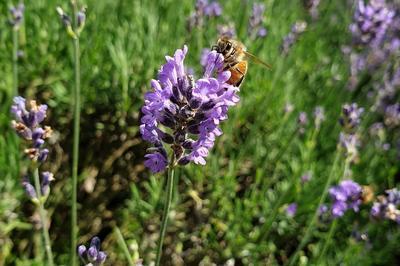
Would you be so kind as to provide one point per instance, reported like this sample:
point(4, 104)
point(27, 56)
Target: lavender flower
point(291, 209)
point(288, 109)
point(349, 143)
point(371, 22)
point(375, 30)
point(348, 139)
point(184, 113)
point(347, 195)
point(256, 28)
point(29, 188)
point(312, 7)
point(297, 29)
point(203, 9)
point(322, 209)
point(27, 125)
point(392, 115)
point(387, 206)
point(92, 255)
point(351, 116)
point(213, 9)
point(302, 121)
point(306, 177)
point(319, 116)
point(17, 15)
point(226, 30)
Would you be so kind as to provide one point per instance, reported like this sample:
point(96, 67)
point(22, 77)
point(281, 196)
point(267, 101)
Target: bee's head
point(224, 45)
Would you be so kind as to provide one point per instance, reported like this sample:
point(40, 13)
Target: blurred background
point(276, 149)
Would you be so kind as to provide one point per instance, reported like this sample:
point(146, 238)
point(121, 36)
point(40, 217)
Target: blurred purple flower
point(319, 116)
point(371, 22)
point(203, 9)
point(351, 116)
point(27, 125)
point(392, 115)
point(226, 30)
point(92, 255)
point(185, 113)
point(17, 15)
point(345, 196)
point(306, 177)
point(349, 143)
point(291, 209)
point(312, 7)
point(302, 121)
point(288, 41)
point(323, 209)
point(256, 28)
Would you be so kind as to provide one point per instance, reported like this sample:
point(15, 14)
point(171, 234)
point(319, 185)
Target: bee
point(367, 194)
point(235, 53)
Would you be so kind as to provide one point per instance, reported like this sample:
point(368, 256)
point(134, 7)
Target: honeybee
point(235, 53)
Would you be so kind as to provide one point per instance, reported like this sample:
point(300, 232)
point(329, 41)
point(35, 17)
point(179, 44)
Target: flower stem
point(122, 244)
point(43, 219)
point(75, 150)
point(15, 62)
point(332, 230)
point(311, 225)
point(333, 225)
point(168, 200)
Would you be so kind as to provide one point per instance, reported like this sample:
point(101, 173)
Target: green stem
point(311, 225)
point(43, 218)
point(167, 206)
point(75, 150)
point(122, 244)
point(15, 62)
point(332, 230)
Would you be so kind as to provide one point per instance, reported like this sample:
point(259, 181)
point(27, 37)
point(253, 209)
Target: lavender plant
point(345, 196)
point(288, 41)
point(256, 28)
point(27, 124)
point(74, 28)
point(92, 256)
point(183, 116)
point(203, 9)
point(227, 30)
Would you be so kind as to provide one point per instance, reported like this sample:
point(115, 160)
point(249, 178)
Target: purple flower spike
point(226, 30)
point(47, 177)
point(185, 113)
point(256, 28)
point(371, 22)
point(27, 125)
point(203, 9)
point(291, 209)
point(351, 116)
point(29, 188)
point(92, 256)
point(17, 15)
point(345, 196)
point(297, 29)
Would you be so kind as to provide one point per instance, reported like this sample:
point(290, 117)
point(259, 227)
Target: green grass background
point(232, 208)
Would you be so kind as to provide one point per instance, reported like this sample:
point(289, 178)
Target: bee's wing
point(257, 60)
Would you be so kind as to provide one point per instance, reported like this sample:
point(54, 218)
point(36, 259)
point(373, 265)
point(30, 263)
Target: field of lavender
point(123, 140)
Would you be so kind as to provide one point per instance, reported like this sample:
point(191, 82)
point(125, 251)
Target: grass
point(232, 208)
